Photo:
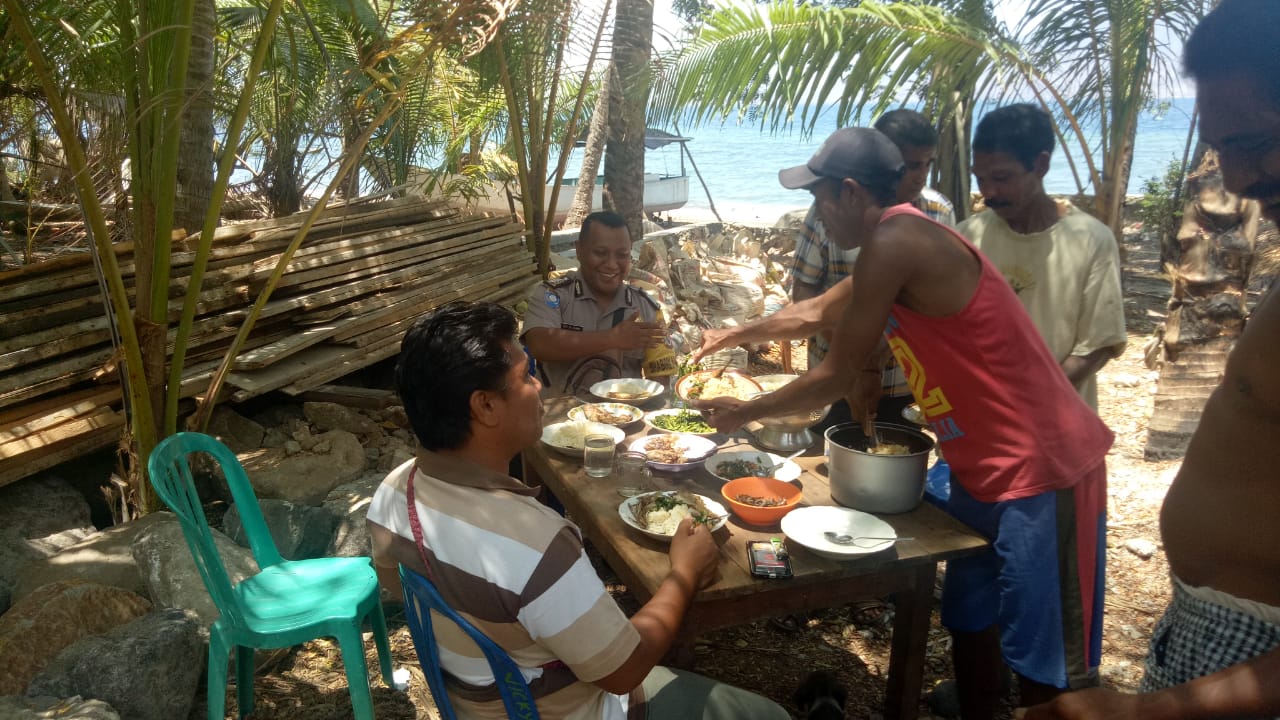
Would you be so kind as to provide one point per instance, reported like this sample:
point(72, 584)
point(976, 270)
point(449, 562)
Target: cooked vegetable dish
point(734, 469)
point(683, 421)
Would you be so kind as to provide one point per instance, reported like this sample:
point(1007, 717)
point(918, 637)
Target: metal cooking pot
point(877, 483)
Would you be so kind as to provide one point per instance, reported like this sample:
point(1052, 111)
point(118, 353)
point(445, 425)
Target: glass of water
point(597, 455)
point(633, 474)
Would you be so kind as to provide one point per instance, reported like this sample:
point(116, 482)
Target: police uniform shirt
point(565, 303)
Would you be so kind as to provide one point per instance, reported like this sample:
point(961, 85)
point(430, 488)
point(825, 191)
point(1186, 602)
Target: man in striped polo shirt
point(512, 566)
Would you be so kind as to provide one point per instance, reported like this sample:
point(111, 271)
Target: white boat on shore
point(662, 192)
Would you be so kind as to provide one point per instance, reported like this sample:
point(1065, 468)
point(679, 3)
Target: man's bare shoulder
point(1252, 372)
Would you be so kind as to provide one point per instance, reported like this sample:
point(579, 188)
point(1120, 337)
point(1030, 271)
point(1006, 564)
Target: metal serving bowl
point(786, 433)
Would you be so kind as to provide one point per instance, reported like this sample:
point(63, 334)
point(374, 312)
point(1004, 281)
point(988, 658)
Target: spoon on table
point(769, 471)
point(844, 539)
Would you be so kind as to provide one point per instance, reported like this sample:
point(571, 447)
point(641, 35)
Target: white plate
point(788, 472)
point(625, 512)
point(806, 526)
point(574, 446)
point(649, 416)
point(627, 389)
point(635, 414)
point(696, 449)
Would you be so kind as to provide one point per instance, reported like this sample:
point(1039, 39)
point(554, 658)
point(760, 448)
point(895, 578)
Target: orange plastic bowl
point(762, 487)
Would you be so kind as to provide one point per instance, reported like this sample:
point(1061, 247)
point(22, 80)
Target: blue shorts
point(1041, 583)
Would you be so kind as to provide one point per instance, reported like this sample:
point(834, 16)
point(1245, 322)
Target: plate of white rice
point(568, 437)
point(661, 523)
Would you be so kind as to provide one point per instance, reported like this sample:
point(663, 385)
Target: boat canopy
point(653, 139)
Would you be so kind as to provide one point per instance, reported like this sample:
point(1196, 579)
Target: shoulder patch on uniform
point(647, 298)
point(553, 300)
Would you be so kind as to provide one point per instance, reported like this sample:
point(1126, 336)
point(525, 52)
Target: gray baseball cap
point(864, 154)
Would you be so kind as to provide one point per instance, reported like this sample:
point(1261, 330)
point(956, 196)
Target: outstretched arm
point(796, 321)
point(1244, 690)
point(883, 269)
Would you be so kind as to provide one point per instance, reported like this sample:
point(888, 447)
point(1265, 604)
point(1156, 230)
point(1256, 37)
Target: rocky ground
point(853, 641)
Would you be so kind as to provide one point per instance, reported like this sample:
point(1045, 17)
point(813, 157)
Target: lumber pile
point(361, 277)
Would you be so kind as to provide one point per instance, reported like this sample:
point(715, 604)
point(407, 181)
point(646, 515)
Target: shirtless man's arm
point(1245, 690)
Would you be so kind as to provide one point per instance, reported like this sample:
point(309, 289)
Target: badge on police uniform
point(553, 300)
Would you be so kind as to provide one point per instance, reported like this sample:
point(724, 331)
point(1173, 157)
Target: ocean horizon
point(740, 162)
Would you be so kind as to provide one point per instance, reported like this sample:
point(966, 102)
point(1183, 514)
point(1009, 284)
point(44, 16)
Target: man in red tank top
point(1027, 454)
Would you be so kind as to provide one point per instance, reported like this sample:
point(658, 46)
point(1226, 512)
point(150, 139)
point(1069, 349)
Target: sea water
point(740, 162)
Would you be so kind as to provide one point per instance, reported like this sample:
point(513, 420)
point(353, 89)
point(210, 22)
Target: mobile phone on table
point(769, 558)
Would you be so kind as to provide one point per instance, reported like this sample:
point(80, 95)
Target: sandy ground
point(853, 641)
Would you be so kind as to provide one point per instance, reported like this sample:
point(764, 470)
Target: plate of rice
point(658, 514)
point(707, 384)
point(568, 437)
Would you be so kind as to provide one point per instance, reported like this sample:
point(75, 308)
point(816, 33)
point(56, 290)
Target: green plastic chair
point(287, 603)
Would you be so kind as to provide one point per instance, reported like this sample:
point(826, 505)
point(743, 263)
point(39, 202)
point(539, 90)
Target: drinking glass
point(634, 476)
point(597, 455)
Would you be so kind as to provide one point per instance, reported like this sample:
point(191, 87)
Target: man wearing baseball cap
point(1027, 454)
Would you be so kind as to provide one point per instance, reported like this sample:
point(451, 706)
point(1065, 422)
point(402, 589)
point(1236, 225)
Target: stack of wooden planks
point(361, 277)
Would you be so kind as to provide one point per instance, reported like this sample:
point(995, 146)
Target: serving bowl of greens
point(679, 420)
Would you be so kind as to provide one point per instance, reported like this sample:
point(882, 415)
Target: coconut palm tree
point(135, 54)
point(1080, 59)
point(628, 104)
point(529, 63)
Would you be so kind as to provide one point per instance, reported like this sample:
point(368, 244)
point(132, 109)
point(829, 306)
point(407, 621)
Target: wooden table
point(904, 573)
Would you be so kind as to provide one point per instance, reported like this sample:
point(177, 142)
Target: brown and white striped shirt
point(515, 569)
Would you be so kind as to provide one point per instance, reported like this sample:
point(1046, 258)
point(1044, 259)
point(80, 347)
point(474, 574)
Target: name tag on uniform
point(567, 326)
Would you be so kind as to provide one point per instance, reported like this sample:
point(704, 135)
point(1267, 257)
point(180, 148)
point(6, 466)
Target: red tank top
point(1007, 419)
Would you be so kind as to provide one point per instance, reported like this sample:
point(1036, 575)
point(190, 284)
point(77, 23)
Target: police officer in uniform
point(590, 324)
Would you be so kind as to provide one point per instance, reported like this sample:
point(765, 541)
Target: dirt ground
point(853, 641)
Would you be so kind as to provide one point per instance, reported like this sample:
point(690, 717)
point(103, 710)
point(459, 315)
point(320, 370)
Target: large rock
point(236, 431)
point(51, 708)
point(147, 669)
point(103, 558)
point(332, 416)
point(299, 531)
point(42, 624)
point(350, 504)
point(164, 561)
point(38, 517)
point(306, 477)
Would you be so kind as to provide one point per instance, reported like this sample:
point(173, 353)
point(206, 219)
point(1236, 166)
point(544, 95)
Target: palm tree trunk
point(195, 159)
point(953, 153)
point(591, 154)
point(624, 162)
point(1209, 262)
